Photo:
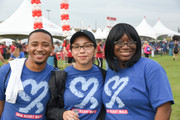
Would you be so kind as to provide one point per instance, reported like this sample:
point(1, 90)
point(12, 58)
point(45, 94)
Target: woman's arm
point(163, 112)
point(1, 107)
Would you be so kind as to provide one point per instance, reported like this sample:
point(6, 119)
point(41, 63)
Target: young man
point(30, 101)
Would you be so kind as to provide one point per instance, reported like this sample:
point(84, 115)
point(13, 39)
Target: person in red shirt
point(13, 47)
point(1, 49)
point(99, 54)
point(70, 57)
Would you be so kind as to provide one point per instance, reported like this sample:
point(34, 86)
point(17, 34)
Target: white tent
point(21, 23)
point(145, 30)
point(98, 34)
point(105, 32)
point(160, 29)
point(71, 33)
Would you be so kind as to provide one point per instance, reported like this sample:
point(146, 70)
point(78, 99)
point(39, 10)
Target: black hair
point(43, 31)
point(18, 46)
point(115, 34)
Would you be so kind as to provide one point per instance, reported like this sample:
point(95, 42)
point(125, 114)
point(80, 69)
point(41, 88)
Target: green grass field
point(173, 72)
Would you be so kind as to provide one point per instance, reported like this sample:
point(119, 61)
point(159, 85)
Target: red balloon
point(37, 13)
point(32, 1)
point(66, 6)
point(37, 1)
point(62, 5)
point(38, 25)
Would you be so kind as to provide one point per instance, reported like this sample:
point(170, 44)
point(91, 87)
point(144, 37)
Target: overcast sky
point(94, 12)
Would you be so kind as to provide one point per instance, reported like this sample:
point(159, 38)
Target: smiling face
point(39, 48)
point(124, 53)
point(83, 57)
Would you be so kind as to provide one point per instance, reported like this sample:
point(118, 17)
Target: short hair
point(115, 34)
point(43, 31)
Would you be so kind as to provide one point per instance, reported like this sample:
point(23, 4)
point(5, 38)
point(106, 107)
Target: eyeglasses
point(121, 43)
point(85, 47)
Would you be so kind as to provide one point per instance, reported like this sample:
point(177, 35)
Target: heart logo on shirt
point(85, 84)
point(36, 102)
point(119, 83)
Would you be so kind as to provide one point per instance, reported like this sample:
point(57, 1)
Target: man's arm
point(1, 107)
point(163, 112)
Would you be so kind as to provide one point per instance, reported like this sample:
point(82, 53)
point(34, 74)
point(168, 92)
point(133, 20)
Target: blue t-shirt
point(22, 55)
point(171, 44)
point(30, 103)
point(136, 92)
point(83, 92)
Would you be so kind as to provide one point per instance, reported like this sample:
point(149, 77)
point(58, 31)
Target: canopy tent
point(105, 32)
point(20, 23)
point(71, 33)
point(145, 30)
point(160, 30)
point(98, 34)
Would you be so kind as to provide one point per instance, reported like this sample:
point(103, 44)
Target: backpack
point(148, 49)
point(176, 50)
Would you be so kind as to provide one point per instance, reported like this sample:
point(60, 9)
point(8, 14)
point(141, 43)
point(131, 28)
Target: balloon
point(36, 13)
point(32, 1)
point(65, 16)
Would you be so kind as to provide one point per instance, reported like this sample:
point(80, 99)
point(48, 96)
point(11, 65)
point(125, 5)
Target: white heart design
point(85, 85)
point(36, 102)
point(117, 81)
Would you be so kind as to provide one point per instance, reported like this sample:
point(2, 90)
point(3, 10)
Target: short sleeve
point(22, 55)
point(158, 87)
point(3, 72)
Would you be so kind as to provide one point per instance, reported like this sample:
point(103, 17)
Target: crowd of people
point(170, 48)
point(133, 87)
point(16, 50)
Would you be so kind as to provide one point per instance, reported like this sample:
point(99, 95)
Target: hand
point(70, 115)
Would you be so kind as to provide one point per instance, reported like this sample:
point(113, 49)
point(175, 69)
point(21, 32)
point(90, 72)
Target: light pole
point(48, 13)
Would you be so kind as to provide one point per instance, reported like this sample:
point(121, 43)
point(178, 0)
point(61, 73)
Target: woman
point(147, 49)
point(175, 51)
point(136, 88)
point(80, 97)
point(18, 53)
